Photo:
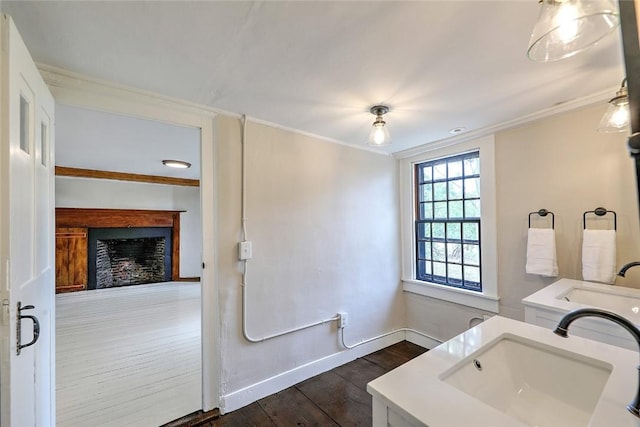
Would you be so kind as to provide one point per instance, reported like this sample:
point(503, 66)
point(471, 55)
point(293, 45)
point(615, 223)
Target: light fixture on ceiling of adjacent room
point(617, 116)
point(379, 135)
point(566, 27)
point(178, 164)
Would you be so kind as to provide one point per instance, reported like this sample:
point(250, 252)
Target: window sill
point(455, 295)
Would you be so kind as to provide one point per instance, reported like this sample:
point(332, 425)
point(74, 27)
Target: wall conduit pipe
point(245, 332)
point(243, 213)
point(344, 344)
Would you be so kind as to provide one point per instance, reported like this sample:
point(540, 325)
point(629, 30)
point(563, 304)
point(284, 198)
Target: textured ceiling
point(317, 66)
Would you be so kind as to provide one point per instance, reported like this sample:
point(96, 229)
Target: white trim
point(596, 98)
point(421, 340)
point(57, 77)
point(74, 89)
point(488, 299)
point(76, 82)
point(239, 398)
point(447, 293)
point(322, 138)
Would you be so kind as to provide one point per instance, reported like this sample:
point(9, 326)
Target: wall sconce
point(179, 164)
point(617, 116)
point(379, 135)
point(566, 27)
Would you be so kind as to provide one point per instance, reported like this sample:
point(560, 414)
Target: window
point(449, 222)
point(25, 119)
point(447, 225)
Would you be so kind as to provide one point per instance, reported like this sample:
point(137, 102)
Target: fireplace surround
point(157, 231)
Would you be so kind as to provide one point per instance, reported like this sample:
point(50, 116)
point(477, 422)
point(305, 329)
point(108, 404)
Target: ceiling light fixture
point(456, 131)
point(566, 27)
point(379, 135)
point(179, 164)
point(617, 116)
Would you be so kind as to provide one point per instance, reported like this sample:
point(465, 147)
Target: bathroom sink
point(529, 377)
point(546, 307)
point(537, 384)
point(611, 299)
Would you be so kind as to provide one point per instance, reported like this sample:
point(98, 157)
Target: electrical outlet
point(343, 319)
point(244, 251)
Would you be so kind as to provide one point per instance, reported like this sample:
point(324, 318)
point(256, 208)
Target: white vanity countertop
point(415, 391)
point(551, 297)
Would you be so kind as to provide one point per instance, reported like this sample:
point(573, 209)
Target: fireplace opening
point(128, 256)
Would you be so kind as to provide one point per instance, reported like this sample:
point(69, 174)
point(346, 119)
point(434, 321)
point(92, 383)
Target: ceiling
point(97, 140)
point(318, 66)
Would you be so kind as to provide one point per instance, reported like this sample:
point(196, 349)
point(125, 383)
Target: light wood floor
point(128, 356)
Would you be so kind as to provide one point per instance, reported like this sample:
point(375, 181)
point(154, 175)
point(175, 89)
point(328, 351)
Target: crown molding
point(75, 82)
point(576, 104)
point(69, 81)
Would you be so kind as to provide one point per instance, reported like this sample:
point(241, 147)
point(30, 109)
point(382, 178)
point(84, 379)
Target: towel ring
point(600, 212)
point(543, 213)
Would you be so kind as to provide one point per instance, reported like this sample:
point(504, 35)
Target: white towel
point(541, 252)
point(599, 255)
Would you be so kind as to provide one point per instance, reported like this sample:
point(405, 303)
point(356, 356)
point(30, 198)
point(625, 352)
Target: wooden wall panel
point(71, 259)
point(62, 262)
point(78, 259)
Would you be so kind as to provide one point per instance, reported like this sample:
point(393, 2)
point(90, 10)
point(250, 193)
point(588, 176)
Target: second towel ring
point(543, 213)
point(600, 212)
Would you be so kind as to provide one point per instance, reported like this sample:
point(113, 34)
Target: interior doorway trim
point(81, 91)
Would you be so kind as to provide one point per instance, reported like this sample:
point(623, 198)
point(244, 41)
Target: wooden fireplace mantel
point(115, 218)
point(78, 219)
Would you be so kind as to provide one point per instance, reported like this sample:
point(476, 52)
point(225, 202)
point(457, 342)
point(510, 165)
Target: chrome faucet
point(627, 266)
point(563, 325)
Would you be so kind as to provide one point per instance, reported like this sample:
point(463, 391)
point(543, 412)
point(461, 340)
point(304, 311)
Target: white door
point(26, 238)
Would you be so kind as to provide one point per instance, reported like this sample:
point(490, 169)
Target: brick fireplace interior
point(128, 256)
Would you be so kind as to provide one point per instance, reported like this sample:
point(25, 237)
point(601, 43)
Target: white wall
point(97, 193)
point(323, 219)
point(561, 164)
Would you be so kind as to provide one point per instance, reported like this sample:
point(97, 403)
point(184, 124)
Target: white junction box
point(244, 250)
point(343, 319)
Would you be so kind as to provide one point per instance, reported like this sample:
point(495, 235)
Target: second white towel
point(541, 252)
point(599, 256)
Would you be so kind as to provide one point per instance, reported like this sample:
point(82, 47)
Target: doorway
point(84, 92)
point(128, 346)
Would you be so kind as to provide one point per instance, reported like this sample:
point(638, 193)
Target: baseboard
point(187, 279)
point(421, 340)
point(243, 397)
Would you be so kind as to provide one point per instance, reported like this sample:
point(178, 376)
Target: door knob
point(36, 327)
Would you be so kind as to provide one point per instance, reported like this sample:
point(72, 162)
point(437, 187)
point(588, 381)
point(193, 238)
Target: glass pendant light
point(379, 135)
point(566, 27)
point(617, 116)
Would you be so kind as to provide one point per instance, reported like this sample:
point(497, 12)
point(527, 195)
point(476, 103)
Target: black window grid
point(429, 258)
point(464, 218)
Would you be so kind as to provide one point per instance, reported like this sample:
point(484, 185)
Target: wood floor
point(128, 357)
point(334, 398)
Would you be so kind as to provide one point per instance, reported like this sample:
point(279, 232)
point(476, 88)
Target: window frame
point(423, 221)
point(486, 299)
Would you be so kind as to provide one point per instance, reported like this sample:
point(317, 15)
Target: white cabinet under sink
point(547, 306)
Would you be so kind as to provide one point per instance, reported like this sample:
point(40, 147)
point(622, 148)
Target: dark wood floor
point(334, 398)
